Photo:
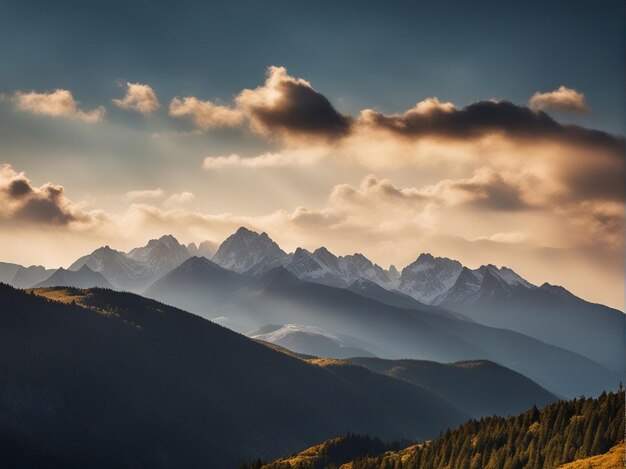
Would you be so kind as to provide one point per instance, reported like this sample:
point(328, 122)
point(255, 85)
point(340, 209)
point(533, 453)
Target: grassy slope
point(613, 459)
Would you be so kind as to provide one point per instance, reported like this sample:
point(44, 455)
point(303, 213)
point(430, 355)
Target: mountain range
point(249, 267)
point(279, 297)
point(320, 345)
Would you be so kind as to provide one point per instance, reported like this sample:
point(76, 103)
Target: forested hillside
point(537, 439)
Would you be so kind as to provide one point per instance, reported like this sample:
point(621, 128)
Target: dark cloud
point(20, 201)
point(493, 192)
point(47, 206)
point(291, 108)
point(19, 187)
point(484, 118)
point(597, 179)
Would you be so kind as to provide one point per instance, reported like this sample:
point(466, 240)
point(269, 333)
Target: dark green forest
point(537, 439)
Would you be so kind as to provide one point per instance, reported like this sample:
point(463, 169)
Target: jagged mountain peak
point(244, 230)
point(425, 260)
point(507, 275)
point(324, 254)
point(429, 277)
point(322, 266)
point(300, 252)
point(106, 250)
point(245, 248)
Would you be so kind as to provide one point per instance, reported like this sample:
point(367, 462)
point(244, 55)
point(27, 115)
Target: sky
point(487, 131)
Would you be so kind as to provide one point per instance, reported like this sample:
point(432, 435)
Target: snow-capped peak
point(429, 277)
point(245, 248)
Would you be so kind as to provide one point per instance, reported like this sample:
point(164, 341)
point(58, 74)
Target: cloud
point(311, 218)
point(59, 103)
point(511, 237)
point(265, 160)
point(138, 97)
point(489, 189)
point(374, 190)
point(432, 119)
point(205, 114)
point(290, 108)
point(22, 202)
point(455, 217)
point(486, 189)
point(179, 199)
point(561, 99)
point(145, 194)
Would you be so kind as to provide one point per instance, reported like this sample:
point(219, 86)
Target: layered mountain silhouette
point(479, 387)
point(490, 295)
point(139, 267)
point(21, 276)
point(8, 271)
point(374, 291)
point(309, 340)
point(442, 287)
point(26, 277)
point(279, 297)
point(548, 312)
point(81, 278)
point(114, 379)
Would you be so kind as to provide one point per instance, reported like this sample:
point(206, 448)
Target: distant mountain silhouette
point(81, 278)
point(322, 266)
point(278, 297)
point(161, 255)
point(120, 270)
point(27, 277)
point(113, 379)
point(490, 295)
point(20, 276)
point(499, 297)
point(8, 271)
point(549, 313)
point(311, 341)
point(135, 270)
point(372, 290)
point(479, 387)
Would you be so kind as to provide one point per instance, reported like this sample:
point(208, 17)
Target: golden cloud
point(290, 108)
point(59, 103)
point(561, 99)
point(138, 97)
point(21, 202)
point(205, 114)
